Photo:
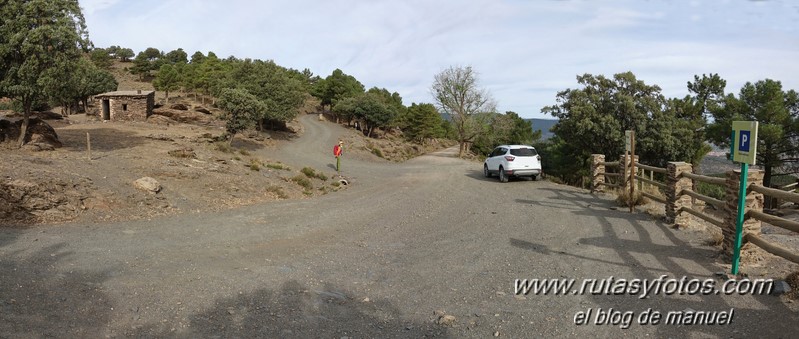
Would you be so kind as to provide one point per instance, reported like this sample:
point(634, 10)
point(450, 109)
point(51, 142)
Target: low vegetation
point(302, 181)
point(278, 166)
point(277, 191)
point(311, 173)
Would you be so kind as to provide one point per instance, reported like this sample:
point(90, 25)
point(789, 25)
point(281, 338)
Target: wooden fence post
point(597, 167)
point(754, 201)
point(89, 145)
point(676, 183)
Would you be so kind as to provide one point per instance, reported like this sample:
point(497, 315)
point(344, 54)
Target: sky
point(524, 51)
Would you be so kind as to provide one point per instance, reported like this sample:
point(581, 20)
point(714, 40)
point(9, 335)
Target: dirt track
point(376, 260)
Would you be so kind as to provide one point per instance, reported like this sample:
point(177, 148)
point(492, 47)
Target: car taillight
point(539, 158)
point(509, 157)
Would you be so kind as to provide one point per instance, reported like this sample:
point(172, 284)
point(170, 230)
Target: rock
point(496, 334)
point(38, 147)
point(147, 184)
point(202, 110)
point(446, 320)
point(161, 137)
point(39, 133)
point(780, 287)
point(180, 107)
point(159, 120)
point(186, 117)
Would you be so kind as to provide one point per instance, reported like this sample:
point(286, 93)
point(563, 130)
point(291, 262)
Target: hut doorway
point(106, 109)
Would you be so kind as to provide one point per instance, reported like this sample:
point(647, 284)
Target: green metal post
point(739, 220)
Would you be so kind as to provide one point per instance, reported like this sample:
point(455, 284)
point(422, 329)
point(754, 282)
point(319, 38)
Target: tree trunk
point(166, 93)
point(26, 108)
point(461, 148)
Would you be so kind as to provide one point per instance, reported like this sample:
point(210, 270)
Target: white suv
point(513, 161)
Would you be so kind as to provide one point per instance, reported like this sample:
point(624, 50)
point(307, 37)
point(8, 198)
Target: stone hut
point(127, 105)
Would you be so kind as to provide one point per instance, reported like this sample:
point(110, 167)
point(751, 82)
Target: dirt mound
point(26, 201)
point(39, 134)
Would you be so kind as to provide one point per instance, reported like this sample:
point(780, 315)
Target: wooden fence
point(678, 198)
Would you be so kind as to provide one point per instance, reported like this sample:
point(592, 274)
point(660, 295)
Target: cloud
point(525, 51)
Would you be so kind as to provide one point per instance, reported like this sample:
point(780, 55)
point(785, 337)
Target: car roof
point(517, 146)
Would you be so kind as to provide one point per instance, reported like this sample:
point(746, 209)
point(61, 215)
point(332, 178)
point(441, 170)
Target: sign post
point(743, 149)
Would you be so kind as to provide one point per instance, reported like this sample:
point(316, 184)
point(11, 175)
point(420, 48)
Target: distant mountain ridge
point(543, 125)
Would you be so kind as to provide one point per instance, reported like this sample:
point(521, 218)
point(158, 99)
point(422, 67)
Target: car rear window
point(523, 152)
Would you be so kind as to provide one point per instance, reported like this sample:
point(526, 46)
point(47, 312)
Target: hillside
point(178, 148)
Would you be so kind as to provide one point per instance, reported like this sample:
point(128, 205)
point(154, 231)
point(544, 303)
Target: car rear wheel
point(486, 172)
point(502, 176)
point(533, 177)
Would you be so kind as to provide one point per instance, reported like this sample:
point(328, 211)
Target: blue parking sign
point(744, 141)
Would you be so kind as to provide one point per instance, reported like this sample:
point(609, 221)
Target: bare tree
point(457, 94)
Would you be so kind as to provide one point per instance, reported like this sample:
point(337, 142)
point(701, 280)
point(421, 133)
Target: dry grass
point(183, 153)
point(716, 237)
point(278, 166)
point(255, 165)
point(793, 281)
point(625, 199)
point(278, 191)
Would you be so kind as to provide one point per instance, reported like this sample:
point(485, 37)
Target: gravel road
point(402, 249)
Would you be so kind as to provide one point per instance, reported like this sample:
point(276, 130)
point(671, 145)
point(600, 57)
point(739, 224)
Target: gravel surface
point(424, 248)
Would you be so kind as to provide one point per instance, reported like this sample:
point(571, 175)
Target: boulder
point(180, 107)
point(147, 184)
point(39, 133)
point(202, 110)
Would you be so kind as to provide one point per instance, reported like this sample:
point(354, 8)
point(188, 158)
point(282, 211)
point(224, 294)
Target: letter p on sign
point(743, 144)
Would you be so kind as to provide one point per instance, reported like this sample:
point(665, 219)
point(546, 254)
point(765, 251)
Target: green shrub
point(278, 166)
point(711, 190)
point(277, 190)
point(255, 165)
point(377, 152)
point(244, 152)
point(311, 173)
point(302, 181)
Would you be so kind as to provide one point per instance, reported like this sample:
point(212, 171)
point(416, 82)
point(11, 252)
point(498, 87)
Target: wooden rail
point(699, 215)
point(610, 163)
point(772, 248)
point(611, 174)
point(652, 182)
point(773, 192)
point(654, 197)
point(715, 202)
point(652, 168)
point(704, 178)
point(775, 220)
